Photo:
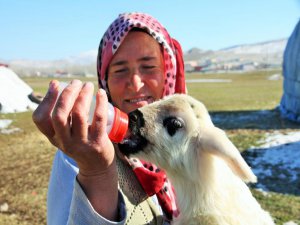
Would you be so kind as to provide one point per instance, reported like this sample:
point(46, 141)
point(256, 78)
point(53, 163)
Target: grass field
point(26, 156)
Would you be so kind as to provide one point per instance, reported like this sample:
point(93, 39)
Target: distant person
point(91, 182)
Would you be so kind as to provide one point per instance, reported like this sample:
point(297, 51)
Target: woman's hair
point(171, 49)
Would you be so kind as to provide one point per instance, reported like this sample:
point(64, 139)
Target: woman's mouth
point(140, 100)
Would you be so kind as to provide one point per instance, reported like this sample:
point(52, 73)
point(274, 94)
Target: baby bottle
point(117, 121)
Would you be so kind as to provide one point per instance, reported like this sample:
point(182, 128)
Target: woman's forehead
point(139, 45)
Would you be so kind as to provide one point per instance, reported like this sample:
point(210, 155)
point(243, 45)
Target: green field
point(26, 156)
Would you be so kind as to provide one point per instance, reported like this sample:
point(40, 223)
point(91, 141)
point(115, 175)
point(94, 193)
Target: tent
point(14, 93)
point(290, 101)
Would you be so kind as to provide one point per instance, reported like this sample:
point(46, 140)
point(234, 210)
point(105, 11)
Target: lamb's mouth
point(132, 145)
point(135, 142)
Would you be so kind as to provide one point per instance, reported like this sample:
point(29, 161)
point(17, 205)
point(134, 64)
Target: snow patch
point(290, 223)
point(276, 162)
point(208, 81)
point(4, 124)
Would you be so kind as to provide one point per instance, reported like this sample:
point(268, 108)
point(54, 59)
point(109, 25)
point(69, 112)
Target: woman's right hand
point(64, 121)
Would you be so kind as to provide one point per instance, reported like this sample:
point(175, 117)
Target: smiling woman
point(138, 63)
point(136, 72)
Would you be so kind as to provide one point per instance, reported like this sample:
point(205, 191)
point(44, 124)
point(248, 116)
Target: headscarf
point(152, 179)
point(172, 53)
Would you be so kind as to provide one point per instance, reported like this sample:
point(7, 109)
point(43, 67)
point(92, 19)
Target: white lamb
point(205, 168)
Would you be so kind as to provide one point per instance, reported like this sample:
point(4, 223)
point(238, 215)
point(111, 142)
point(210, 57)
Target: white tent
point(14, 93)
point(290, 101)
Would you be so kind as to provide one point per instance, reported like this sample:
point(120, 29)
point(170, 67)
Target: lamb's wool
point(205, 168)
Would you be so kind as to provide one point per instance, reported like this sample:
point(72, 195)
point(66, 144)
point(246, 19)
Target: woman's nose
point(136, 82)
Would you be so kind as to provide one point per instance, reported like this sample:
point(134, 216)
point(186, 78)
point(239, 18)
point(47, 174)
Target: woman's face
point(136, 72)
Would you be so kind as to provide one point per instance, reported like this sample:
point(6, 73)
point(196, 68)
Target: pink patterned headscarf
point(152, 179)
point(172, 53)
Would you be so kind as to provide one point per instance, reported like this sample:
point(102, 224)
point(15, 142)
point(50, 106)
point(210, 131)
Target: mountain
point(196, 54)
point(269, 52)
point(83, 58)
point(268, 47)
point(84, 62)
point(263, 52)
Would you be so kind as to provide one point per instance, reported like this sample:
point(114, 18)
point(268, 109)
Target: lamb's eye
point(173, 124)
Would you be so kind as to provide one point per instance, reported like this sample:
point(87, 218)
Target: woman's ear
point(214, 141)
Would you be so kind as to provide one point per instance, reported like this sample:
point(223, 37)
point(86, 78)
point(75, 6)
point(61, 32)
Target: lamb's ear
point(215, 141)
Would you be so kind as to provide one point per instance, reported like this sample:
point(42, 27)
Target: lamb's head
point(173, 132)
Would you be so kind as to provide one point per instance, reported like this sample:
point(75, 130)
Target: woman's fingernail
point(52, 86)
point(88, 85)
point(76, 82)
point(102, 92)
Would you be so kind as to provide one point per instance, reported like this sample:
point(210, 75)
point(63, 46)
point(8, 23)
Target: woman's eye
point(120, 71)
point(149, 67)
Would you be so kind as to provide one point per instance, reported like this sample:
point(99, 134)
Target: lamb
point(206, 169)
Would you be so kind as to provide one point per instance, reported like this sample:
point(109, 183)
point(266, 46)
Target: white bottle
point(117, 121)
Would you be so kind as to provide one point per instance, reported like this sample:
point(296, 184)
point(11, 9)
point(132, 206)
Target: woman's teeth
point(138, 100)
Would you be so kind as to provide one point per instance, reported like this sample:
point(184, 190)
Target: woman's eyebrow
point(123, 62)
point(119, 63)
point(147, 58)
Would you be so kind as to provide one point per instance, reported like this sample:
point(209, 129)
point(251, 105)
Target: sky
point(56, 29)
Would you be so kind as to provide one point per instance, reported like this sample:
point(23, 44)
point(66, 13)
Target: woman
point(91, 183)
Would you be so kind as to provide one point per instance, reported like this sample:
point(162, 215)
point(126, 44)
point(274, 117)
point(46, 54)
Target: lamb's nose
point(136, 120)
point(133, 117)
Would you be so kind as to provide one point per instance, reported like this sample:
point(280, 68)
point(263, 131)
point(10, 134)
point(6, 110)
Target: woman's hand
point(65, 124)
point(64, 121)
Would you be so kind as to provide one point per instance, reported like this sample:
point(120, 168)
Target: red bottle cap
point(120, 126)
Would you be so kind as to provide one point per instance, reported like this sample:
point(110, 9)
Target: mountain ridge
point(260, 52)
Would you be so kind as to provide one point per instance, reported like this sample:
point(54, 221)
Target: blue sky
point(44, 29)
